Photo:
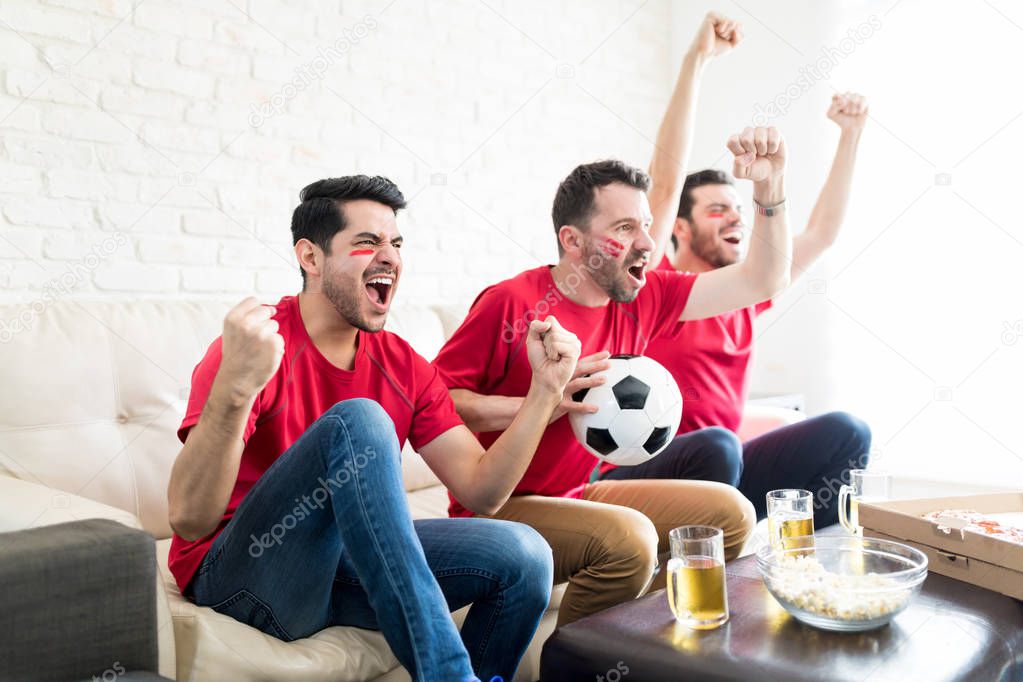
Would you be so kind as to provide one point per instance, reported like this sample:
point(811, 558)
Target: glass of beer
point(864, 486)
point(696, 577)
point(790, 519)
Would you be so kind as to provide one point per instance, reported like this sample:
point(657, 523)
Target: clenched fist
point(759, 154)
point(849, 110)
point(553, 352)
point(716, 36)
point(252, 348)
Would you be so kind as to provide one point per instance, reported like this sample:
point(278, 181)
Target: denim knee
point(365, 425)
point(527, 562)
point(723, 453)
point(365, 418)
point(363, 410)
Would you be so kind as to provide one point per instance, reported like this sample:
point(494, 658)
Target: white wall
point(134, 164)
point(912, 320)
point(137, 161)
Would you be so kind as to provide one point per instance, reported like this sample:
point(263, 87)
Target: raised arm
point(849, 111)
point(205, 471)
point(717, 35)
point(483, 481)
point(760, 157)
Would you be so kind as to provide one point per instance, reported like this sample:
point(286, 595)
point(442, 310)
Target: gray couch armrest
point(76, 601)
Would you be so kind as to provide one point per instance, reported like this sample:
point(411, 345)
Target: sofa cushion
point(414, 471)
point(420, 326)
point(105, 385)
point(429, 503)
point(451, 316)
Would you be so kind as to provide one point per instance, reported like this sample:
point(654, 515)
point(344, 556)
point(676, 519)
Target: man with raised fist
point(287, 501)
point(710, 357)
point(606, 536)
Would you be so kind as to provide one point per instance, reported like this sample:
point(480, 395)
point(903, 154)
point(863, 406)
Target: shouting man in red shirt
point(287, 501)
point(606, 535)
point(710, 357)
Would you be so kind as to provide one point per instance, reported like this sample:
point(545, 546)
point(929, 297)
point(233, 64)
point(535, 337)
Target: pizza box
point(973, 557)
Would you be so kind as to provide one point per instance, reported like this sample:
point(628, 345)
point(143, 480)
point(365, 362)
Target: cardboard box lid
point(904, 519)
point(967, 569)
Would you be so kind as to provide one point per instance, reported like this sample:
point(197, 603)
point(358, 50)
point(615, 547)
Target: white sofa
point(93, 393)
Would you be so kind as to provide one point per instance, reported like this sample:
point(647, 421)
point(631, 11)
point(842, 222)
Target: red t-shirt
point(487, 355)
point(305, 386)
point(710, 360)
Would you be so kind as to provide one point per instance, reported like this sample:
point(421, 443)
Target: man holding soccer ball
point(606, 535)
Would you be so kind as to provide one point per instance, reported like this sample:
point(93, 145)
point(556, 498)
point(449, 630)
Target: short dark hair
point(575, 200)
point(321, 214)
point(709, 176)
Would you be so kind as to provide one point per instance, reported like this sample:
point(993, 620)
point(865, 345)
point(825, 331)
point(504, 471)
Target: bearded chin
point(607, 278)
point(705, 251)
point(720, 259)
point(346, 305)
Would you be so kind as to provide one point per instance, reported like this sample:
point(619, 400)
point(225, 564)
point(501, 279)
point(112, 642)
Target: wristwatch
point(768, 211)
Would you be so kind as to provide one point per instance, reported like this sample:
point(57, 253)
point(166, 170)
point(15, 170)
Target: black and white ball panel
point(639, 411)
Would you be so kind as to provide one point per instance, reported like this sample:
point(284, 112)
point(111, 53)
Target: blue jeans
point(325, 538)
point(815, 455)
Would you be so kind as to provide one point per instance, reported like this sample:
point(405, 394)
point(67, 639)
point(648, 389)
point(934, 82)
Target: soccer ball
point(640, 408)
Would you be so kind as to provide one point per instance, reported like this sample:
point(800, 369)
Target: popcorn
point(804, 583)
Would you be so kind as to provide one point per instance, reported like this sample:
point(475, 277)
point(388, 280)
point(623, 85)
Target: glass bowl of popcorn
point(847, 584)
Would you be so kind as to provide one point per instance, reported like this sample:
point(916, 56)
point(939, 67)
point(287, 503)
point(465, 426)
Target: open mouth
point(638, 272)
point(733, 236)
point(378, 290)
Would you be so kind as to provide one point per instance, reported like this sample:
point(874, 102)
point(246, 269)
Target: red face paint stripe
point(611, 247)
point(715, 215)
point(361, 252)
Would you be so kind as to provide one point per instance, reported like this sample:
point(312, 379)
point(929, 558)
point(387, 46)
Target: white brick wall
point(137, 149)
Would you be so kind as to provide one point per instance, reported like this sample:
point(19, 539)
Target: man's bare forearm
point(505, 462)
point(849, 111)
point(770, 250)
point(833, 201)
point(206, 470)
point(484, 413)
point(671, 151)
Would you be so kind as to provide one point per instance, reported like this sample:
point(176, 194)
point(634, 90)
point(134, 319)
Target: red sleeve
point(477, 354)
point(202, 382)
point(435, 411)
point(667, 298)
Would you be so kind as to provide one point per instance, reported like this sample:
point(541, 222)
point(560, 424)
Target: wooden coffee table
point(951, 631)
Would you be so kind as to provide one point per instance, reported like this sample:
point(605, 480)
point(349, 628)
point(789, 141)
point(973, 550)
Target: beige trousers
point(606, 544)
